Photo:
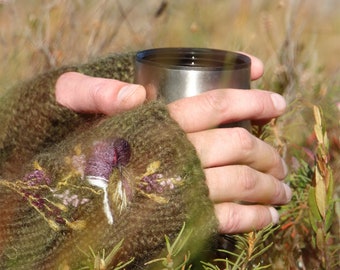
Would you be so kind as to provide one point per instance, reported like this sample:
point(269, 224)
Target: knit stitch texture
point(72, 184)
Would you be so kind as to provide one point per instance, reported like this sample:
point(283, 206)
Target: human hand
point(238, 166)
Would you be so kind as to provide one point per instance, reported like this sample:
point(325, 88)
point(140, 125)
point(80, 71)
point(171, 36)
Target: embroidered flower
point(153, 183)
point(37, 177)
point(105, 157)
point(150, 183)
point(71, 199)
point(156, 183)
point(170, 183)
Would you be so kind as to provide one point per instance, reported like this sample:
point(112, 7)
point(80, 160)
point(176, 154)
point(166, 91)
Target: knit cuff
point(125, 181)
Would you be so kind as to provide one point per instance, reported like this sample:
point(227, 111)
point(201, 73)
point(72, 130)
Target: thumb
point(82, 93)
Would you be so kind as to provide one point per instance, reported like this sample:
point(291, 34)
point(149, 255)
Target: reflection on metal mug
point(175, 73)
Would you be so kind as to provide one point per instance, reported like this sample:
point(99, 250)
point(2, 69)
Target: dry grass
point(297, 40)
point(39, 34)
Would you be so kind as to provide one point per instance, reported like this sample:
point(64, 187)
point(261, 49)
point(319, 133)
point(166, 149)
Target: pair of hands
point(238, 166)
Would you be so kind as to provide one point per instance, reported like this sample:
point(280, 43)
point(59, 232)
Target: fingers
point(228, 146)
point(256, 70)
point(216, 107)
point(237, 218)
point(87, 94)
point(238, 183)
point(82, 93)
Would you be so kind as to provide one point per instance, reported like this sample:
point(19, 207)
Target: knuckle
point(261, 103)
point(96, 88)
point(247, 179)
point(233, 220)
point(244, 139)
point(214, 101)
point(97, 95)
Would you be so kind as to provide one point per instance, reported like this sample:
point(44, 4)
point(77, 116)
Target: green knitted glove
point(73, 187)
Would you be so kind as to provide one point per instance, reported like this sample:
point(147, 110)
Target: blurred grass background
point(39, 34)
point(298, 42)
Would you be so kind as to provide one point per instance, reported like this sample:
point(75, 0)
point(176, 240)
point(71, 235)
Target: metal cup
point(175, 73)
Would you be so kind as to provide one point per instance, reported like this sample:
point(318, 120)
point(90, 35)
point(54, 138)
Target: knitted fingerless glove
point(96, 192)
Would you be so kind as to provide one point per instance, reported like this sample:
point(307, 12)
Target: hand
point(238, 166)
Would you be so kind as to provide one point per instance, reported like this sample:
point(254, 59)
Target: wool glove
point(97, 192)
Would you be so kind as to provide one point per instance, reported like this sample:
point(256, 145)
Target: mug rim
point(185, 57)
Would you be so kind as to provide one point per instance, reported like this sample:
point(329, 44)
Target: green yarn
point(72, 183)
point(31, 119)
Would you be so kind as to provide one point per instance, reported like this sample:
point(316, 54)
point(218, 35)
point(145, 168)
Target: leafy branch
point(249, 249)
point(169, 262)
point(320, 197)
point(101, 261)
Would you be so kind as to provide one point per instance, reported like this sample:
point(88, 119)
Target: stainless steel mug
point(175, 73)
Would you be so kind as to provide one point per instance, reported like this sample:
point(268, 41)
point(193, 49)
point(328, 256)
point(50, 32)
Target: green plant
point(321, 199)
point(170, 261)
point(97, 261)
point(249, 249)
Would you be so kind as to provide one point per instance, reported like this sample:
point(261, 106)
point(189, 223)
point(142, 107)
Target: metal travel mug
point(175, 73)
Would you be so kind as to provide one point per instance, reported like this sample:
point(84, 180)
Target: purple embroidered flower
point(150, 183)
point(107, 155)
point(123, 151)
point(37, 177)
point(71, 199)
point(156, 183)
point(170, 182)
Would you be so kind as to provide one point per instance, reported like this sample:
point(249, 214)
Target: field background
point(298, 41)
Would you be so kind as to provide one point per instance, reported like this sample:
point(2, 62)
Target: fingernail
point(275, 215)
point(278, 101)
point(127, 91)
point(288, 192)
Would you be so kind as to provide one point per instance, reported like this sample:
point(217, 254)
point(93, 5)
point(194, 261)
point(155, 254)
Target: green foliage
point(97, 261)
point(170, 261)
point(308, 237)
point(321, 201)
point(249, 250)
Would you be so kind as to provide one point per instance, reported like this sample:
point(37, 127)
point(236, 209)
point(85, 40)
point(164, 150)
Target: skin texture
point(253, 168)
